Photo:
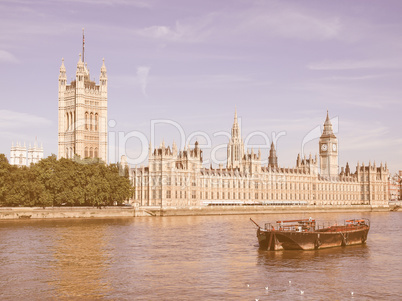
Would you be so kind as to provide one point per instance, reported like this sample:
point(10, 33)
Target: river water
point(192, 258)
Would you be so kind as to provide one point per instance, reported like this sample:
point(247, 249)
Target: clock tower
point(328, 151)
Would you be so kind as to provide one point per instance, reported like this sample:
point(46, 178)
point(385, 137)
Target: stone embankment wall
point(64, 212)
point(108, 212)
point(226, 210)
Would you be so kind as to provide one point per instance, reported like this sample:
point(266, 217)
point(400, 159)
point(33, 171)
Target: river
point(192, 258)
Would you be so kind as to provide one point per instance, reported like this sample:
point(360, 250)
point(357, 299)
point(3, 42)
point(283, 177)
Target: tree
point(53, 182)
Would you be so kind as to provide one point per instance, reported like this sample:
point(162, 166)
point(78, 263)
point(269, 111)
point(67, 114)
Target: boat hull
point(293, 240)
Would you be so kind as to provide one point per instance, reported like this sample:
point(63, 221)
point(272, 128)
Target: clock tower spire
point(328, 150)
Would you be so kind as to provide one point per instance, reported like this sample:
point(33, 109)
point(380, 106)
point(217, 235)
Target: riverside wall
point(64, 212)
point(227, 210)
point(7, 213)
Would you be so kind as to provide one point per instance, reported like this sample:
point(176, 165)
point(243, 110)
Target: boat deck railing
point(310, 225)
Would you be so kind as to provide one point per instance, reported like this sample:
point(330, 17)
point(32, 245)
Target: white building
point(20, 156)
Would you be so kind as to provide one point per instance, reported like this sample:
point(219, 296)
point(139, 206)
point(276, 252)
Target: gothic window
point(86, 120)
point(96, 121)
point(67, 152)
point(91, 118)
point(68, 121)
point(71, 121)
point(86, 152)
point(96, 152)
point(91, 152)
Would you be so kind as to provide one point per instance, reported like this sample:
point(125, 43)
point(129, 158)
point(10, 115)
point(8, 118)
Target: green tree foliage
point(53, 182)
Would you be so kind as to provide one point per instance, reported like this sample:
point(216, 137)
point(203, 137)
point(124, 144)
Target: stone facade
point(178, 179)
point(18, 154)
point(395, 187)
point(82, 114)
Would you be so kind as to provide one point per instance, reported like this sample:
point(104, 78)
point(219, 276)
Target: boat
point(306, 234)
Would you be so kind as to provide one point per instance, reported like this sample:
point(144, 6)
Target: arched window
point(91, 118)
point(68, 121)
point(86, 120)
point(96, 152)
point(71, 121)
point(91, 152)
point(71, 153)
point(67, 152)
point(86, 152)
point(21, 159)
point(96, 121)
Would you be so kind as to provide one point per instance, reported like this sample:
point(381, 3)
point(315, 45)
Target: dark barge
point(305, 234)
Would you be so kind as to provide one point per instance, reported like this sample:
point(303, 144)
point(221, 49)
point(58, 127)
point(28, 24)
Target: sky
point(178, 68)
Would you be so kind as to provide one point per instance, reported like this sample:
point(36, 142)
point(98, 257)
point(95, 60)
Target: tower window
point(86, 120)
point(91, 118)
point(96, 121)
point(86, 152)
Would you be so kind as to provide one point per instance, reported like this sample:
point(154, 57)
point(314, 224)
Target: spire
point(62, 67)
point(328, 132)
point(235, 115)
point(272, 159)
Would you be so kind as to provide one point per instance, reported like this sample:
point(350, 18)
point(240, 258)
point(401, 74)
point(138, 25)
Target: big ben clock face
point(324, 147)
point(334, 147)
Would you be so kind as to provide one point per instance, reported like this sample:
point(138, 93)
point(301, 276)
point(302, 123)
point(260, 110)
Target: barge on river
point(305, 234)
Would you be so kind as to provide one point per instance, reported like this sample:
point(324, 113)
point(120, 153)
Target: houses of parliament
point(82, 113)
point(178, 179)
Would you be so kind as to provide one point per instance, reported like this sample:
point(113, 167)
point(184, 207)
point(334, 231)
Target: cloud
point(190, 30)
point(355, 78)
point(142, 75)
point(136, 3)
point(357, 64)
point(17, 120)
point(7, 57)
point(291, 23)
point(161, 32)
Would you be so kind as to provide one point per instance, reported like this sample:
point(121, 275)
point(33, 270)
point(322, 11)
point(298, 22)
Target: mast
point(83, 44)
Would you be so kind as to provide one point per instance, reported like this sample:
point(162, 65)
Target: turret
point(272, 159)
point(174, 149)
point(80, 76)
point(103, 79)
point(62, 79)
